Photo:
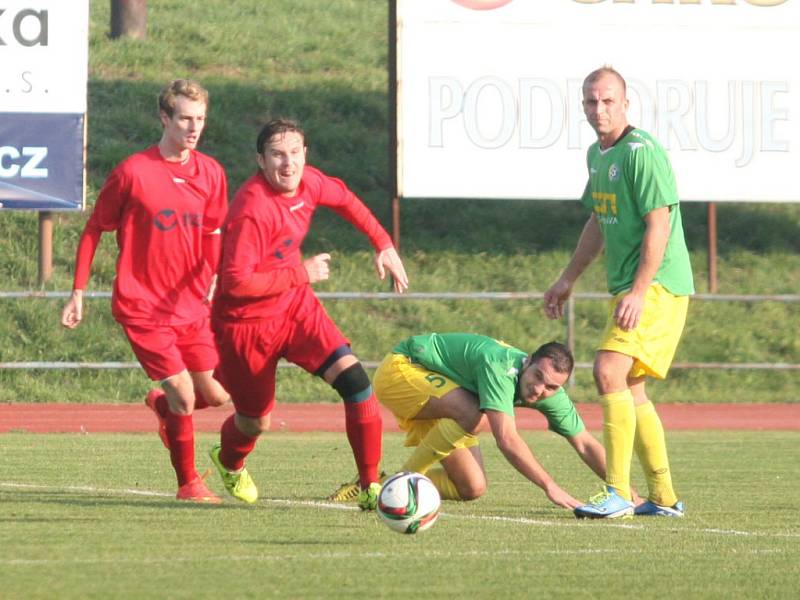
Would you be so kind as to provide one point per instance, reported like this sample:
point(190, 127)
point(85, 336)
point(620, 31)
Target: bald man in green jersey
point(636, 221)
point(442, 386)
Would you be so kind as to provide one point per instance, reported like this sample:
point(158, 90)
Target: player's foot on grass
point(349, 490)
point(605, 505)
point(368, 497)
point(651, 509)
point(346, 492)
point(150, 400)
point(239, 484)
point(196, 491)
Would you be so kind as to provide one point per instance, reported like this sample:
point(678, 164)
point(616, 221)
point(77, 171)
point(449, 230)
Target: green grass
point(325, 64)
point(92, 516)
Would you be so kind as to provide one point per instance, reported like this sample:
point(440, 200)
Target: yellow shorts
point(404, 388)
point(653, 342)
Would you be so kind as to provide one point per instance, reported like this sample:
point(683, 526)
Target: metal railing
point(569, 314)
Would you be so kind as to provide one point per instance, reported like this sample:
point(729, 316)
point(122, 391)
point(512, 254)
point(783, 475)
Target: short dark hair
point(559, 355)
point(277, 127)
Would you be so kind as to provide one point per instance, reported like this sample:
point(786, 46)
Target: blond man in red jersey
point(166, 205)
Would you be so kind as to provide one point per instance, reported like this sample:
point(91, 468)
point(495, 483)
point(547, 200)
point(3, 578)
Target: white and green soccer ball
point(408, 503)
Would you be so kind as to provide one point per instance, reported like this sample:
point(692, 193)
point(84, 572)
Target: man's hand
point(629, 311)
point(73, 312)
point(561, 498)
point(555, 297)
point(391, 260)
point(317, 267)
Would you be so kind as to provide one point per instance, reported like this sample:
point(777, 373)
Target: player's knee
point(606, 378)
point(252, 426)
point(353, 384)
point(472, 489)
point(217, 397)
point(180, 393)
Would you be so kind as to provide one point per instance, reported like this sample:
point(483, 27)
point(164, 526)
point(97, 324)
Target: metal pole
point(571, 333)
point(396, 222)
point(712, 247)
point(129, 19)
point(45, 246)
point(393, 142)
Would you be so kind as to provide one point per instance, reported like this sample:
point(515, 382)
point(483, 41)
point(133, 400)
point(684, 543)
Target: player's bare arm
point(591, 451)
point(519, 455)
point(590, 244)
point(654, 243)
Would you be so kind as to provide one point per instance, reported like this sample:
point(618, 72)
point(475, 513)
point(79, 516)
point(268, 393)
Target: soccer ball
point(408, 503)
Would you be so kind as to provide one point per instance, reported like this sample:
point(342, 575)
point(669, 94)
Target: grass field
point(93, 516)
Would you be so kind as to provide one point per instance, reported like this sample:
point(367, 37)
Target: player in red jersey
point(265, 308)
point(166, 205)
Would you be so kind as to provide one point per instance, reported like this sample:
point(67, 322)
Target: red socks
point(180, 432)
point(364, 426)
point(235, 445)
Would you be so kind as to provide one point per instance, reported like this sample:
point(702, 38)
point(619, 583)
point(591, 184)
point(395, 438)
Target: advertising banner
point(43, 77)
point(488, 94)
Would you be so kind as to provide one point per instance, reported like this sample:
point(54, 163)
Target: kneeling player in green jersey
point(441, 387)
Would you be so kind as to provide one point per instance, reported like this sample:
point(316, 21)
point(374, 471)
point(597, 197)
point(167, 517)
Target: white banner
point(43, 76)
point(489, 93)
point(44, 55)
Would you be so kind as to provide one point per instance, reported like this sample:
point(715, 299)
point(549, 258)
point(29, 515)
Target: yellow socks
point(651, 448)
point(447, 489)
point(438, 443)
point(619, 430)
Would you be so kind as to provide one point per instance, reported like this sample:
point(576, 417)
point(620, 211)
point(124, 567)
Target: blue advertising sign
point(41, 161)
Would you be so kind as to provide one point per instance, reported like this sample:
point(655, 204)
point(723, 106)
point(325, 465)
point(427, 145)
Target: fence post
point(129, 19)
point(571, 333)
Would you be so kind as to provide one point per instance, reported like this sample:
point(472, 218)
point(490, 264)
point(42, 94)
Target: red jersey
point(263, 236)
point(161, 211)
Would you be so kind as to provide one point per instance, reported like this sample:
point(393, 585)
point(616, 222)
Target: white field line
point(21, 562)
point(340, 506)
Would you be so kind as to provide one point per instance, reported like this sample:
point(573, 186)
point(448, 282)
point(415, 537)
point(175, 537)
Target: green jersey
point(626, 182)
point(490, 369)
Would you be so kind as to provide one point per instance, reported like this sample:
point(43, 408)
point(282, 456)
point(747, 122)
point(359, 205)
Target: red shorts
point(250, 350)
point(166, 350)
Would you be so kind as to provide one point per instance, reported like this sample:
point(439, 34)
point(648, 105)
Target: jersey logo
point(178, 180)
point(165, 219)
point(613, 172)
point(635, 145)
point(297, 206)
point(286, 243)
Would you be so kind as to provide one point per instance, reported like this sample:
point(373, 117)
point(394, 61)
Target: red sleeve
point(212, 245)
point(217, 205)
point(243, 249)
point(85, 255)
point(270, 283)
point(338, 197)
point(107, 213)
point(106, 216)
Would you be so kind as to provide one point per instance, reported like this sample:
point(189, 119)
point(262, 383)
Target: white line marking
point(283, 557)
point(338, 506)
